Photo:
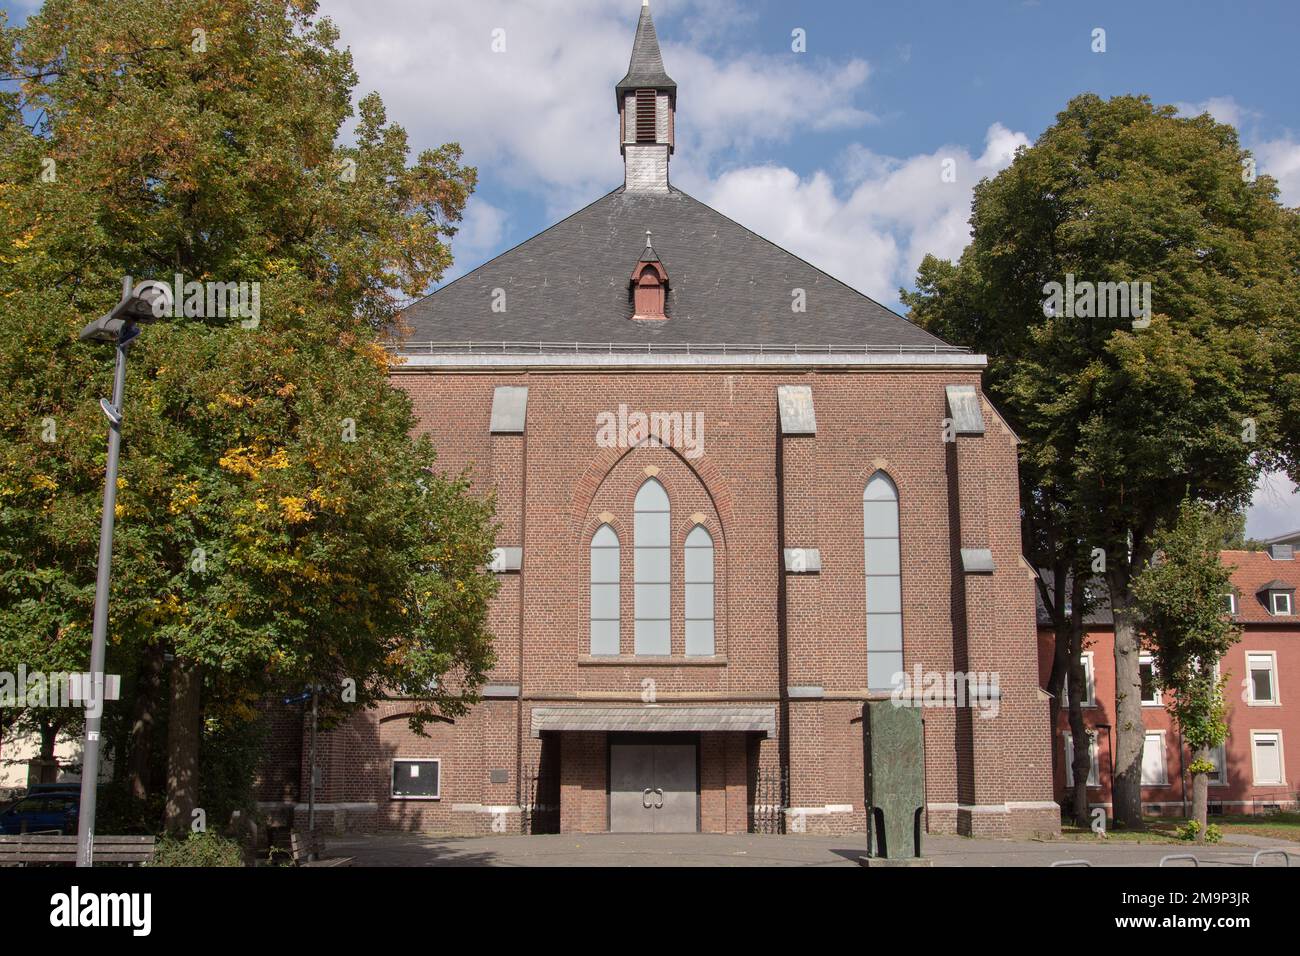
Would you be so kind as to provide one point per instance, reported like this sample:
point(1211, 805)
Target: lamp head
point(143, 303)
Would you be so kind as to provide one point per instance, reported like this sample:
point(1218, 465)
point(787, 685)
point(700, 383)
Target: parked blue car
point(46, 811)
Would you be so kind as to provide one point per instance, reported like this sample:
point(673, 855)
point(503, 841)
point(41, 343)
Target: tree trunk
point(1130, 732)
point(140, 762)
point(1081, 759)
point(1200, 796)
point(48, 764)
point(184, 728)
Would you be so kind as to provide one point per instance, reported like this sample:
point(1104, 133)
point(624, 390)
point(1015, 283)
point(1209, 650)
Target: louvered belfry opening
point(645, 116)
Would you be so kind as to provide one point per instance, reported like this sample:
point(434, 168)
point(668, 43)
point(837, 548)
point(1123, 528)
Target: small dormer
point(1278, 597)
point(649, 286)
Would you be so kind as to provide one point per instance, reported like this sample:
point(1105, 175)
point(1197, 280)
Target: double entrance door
point(652, 788)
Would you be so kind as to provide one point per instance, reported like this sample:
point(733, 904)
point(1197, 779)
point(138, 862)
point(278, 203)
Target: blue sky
point(833, 152)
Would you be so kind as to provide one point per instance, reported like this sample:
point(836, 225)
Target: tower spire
point(647, 106)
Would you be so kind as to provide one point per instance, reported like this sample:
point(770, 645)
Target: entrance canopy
point(656, 718)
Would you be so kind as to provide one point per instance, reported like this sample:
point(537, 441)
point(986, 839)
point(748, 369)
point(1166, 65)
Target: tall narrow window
point(604, 591)
point(651, 574)
point(884, 594)
point(699, 592)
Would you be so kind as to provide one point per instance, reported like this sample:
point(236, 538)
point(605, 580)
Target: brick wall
point(756, 493)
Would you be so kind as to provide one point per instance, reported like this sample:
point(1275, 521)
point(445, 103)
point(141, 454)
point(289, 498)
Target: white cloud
point(874, 233)
point(478, 236)
point(542, 117)
point(1279, 158)
point(1275, 508)
point(1225, 109)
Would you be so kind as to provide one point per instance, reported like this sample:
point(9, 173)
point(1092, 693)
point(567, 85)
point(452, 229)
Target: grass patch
point(1279, 826)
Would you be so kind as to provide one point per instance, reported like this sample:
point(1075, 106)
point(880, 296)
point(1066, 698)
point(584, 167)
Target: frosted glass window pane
point(699, 564)
point(651, 601)
point(604, 601)
point(651, 530)
point(699, 538)
point(699, 638)
point(883, 594)
point(880, 519)
point(651, 497)
point(880, 488)
point(882, 555)
point(604, 637)
point(604, 614)
point(884, 632)
point(882, 666)
point(652, 637)
point(699, 601)
point(604, 565)
point(651, 566)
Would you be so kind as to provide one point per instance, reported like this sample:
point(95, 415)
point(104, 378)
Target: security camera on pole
point(119, 328)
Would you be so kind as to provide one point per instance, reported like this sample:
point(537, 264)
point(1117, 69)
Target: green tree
point(277, 524)
point(1122, 420)
point(1184, 623)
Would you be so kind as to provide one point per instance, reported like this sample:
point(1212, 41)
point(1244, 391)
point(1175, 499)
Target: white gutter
point(599, 360)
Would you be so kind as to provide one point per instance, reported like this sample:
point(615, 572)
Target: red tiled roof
point(1254, 569)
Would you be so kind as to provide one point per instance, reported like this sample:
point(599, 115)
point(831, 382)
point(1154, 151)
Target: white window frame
point(1232, 603)
point(1094, 772)
point(1159, 701)
point(1276, 699)
point(1089, 682)
point(1254, 764)
point(1164, 758)
point(401, 796)
point(1273, 601)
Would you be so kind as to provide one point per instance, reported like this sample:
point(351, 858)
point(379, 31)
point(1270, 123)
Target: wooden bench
point(20, 849)
point(301, 852)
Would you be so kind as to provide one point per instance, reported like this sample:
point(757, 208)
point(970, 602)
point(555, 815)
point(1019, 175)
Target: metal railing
point(656, 348)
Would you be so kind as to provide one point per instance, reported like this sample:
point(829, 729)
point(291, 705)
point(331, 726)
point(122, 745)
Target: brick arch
point(606, 460)
point(864, 475)
point(616, 522)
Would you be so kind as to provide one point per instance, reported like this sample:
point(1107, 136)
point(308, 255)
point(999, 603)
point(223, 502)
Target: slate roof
point(645, 71)
point(726, 284)
point(1254, 573)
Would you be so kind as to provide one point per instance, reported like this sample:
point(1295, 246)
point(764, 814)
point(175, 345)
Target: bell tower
point(647, 102)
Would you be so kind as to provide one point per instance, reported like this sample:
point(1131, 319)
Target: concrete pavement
point(703, 849)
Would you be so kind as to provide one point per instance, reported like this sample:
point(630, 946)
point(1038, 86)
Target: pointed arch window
point(699, 592)
point(651, 574)
point(884, 590)
point(604, 591)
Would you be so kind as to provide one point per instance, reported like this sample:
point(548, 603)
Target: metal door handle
point(645, 796)
point(660, 804)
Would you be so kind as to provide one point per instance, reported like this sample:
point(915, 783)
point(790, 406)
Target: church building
point(737, 500)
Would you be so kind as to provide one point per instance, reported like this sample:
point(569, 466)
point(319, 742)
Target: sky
point(832, 152)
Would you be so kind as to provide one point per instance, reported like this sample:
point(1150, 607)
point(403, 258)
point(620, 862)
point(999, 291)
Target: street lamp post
point(119, 328)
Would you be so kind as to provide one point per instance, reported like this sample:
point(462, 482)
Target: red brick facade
point(757, 491)
point(1273, 724)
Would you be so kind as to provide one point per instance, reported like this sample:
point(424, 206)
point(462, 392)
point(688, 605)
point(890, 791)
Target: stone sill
point(634, 660)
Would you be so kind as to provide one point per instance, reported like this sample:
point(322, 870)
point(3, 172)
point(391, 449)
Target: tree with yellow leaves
point(278, 524)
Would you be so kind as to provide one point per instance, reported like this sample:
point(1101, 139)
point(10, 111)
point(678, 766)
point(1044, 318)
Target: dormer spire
point(647, 104)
